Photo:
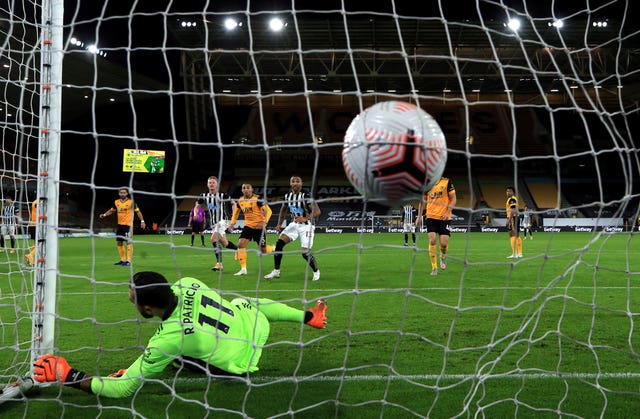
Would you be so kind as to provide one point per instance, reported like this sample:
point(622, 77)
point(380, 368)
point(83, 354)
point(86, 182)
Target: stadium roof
point(379, 53)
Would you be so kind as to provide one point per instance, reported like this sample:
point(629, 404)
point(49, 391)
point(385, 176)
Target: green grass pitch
point(554, 333)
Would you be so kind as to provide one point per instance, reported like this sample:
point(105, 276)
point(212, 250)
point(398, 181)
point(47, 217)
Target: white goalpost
point(155, 98)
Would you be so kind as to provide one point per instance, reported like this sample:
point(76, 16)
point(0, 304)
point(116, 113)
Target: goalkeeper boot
point(319, 319)
point(242, 271)
point(274, 274)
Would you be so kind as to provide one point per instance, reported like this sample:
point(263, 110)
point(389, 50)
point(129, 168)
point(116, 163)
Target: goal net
point(154, 98)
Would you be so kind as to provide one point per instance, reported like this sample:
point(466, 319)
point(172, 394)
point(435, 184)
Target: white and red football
point(393, 152)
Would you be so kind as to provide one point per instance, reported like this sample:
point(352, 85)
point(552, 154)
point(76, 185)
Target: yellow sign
point(143, 161)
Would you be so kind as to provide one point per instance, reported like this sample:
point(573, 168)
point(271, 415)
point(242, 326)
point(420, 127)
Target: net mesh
point(184, 92)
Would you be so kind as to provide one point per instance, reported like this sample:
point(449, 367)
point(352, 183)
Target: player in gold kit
point(256, 216)
point(439, 202)
point(513, 223)
point(125, 208)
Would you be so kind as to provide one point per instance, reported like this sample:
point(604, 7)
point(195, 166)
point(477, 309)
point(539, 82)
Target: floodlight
point(558, 23)
point(276, 24)
point(230, 24)
point(514, 24)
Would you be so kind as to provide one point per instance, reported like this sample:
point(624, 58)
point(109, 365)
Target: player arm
point(453, 200)
point(234, 216)
point(315, 210)
point(158, 354)
point(268, 212)
point(108, 212)
point(420, 212)
point(140, 217)
point(282, 214)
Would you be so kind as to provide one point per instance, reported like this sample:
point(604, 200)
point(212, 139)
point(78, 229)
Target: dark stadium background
point(96, 130)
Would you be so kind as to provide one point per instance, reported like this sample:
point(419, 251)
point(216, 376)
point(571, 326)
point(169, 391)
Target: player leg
point(512, 239)
point(306, 243)
point(129, 239)
point(121, 234)
point(12, 237)
point(2, 232)
point(289, 234)
point(241, 254)
point(433, 252)
point(444, 243)
point(518, 240)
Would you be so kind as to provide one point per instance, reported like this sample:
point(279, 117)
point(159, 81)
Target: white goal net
point(154, 98)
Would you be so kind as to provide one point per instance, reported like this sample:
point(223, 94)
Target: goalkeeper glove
point(51, 368)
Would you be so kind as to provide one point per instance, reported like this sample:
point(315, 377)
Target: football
point(394, 152)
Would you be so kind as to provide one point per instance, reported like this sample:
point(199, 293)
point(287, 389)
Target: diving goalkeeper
point(199, 329)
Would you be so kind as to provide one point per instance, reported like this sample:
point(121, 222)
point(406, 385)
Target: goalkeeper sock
point(277, 257)
point(433, 256)
point(275, 311)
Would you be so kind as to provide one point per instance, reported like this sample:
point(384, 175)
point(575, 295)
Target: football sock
point(406, 237)
point(129, 251)
point(217, 249)
point(192, 237)
point(232, 246)
point(32, 252)
point(241, 256)
point(2, 240)
point(433, 256)
point(202, 240)
point(275, 311)
point(518, 245)
point(413, 237)
point(512, 240)
point(310, 260)
point(443, 251)
point(277, 257)
point(121, 252)
point(13, 242)
point(268, 248)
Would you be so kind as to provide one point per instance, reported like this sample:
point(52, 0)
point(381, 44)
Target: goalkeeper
point(199, 329)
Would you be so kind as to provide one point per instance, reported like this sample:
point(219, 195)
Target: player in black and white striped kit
point(303, 210)
point(218, 206)
point(408, 224)
point(8, 224)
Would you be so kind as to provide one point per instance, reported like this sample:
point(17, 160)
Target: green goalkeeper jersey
point(203, 326)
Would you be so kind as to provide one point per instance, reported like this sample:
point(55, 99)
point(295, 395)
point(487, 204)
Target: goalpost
point(155, 98)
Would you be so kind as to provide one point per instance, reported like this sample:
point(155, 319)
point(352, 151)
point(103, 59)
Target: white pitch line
point(416, 377)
